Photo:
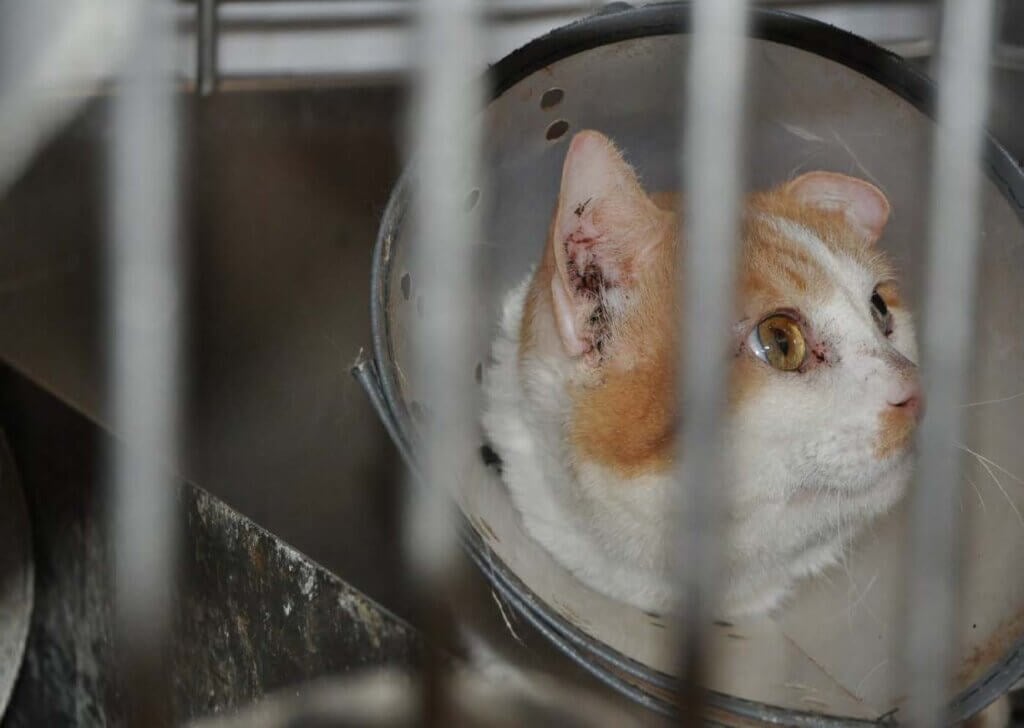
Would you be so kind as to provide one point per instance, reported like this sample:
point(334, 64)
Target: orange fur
point(830, 225)
point(626, 422)
point(890, 294)
point(626, 418)
point(897, 428)
point(897, 424)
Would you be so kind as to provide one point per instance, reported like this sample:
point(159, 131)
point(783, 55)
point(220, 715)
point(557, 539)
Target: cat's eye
point(880, 313)
point(779, 341)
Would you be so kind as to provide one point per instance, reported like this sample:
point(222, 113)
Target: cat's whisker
point(1002, 490)
point(864, 593)
point(808, 158)
point(993, 463)
point(978, 491)
point(401, 376)
point(844, 551)
point(856, 160)
point(1015, 478)
point(994, 401)
point(860, 684)
point(851, 589)
point(860, 600)
point(827, 577)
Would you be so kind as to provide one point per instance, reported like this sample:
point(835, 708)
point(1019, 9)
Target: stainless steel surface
point(711, 169)
point(207, 40)
point(934, 541)
point(16, 575)
point(145, 324)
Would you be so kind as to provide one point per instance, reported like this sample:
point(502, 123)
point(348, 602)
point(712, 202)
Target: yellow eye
point(779, 341)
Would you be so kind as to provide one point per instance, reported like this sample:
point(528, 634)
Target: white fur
point(805, 475)
point(535, 454)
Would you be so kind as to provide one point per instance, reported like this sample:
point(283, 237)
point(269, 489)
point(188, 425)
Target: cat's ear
point(865, 206)
point(603, 232)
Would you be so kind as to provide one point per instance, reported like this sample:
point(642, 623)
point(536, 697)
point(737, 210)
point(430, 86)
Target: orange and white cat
point(824, 398)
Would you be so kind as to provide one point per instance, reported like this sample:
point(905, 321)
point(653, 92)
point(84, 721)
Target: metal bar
point(711, 171)
point(446, 140)
point(932, 576)
point(206, 47)
point(50, 69)
point(144, 359)
point(286, 44)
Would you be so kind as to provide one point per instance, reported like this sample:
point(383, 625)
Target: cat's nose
point(909, 399)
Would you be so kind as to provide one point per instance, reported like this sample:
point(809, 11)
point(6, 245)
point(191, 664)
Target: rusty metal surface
point(265, 615)
point(252, 614)
point(15, 574)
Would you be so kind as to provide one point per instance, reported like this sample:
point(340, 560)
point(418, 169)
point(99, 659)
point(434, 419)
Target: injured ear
point(604, 230)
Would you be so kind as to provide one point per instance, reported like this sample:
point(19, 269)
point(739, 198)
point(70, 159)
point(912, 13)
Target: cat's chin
point(887, 489)
point(882, 493)
point(881, 488)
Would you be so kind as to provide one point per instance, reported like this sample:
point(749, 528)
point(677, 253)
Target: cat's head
point(824, 392)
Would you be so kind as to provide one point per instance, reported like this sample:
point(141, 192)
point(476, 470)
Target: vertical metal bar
point(711, 171)
point(446, 139)
point(144, 359)
point(206, 46)
point(932, 577)
point(76, 47)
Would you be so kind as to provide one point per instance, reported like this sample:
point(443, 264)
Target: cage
point(178, 314)
point(819, 98)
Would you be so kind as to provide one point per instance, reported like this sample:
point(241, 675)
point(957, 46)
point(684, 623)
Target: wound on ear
point(603, 224)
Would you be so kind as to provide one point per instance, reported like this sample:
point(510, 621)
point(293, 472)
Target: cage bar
point(712, 180)
point(206, 47)
point(956, 176)
point(145, 376)
point(446, 140)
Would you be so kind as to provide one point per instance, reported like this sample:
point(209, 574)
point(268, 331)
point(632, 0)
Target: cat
point(824, 387)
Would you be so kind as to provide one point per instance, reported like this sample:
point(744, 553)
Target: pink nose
point(911, 401)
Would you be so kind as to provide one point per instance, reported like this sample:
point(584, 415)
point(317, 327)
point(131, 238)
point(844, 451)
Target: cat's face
point(824, 392)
